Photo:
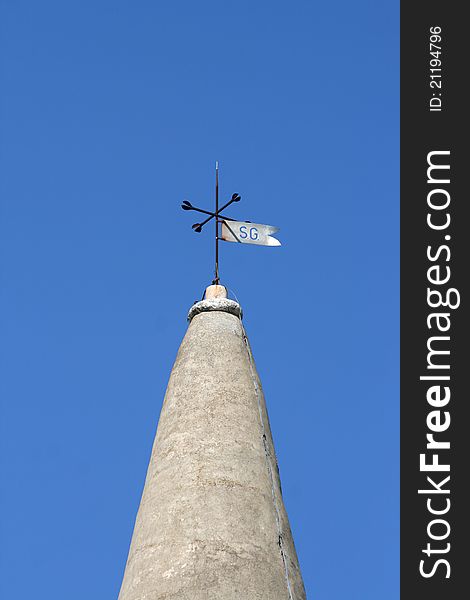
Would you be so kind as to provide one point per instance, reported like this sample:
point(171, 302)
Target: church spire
point(212, 522)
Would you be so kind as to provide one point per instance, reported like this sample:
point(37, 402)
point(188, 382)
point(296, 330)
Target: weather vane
point(243, 232)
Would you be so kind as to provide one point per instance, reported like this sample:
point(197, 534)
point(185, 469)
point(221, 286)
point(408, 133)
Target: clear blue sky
point(111, 114)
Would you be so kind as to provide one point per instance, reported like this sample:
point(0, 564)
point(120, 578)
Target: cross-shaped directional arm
point(186, 205)
point(216, 215)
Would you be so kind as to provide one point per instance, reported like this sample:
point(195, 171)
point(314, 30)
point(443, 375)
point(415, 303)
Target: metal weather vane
point(242, 232)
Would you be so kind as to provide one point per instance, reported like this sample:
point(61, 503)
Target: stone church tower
point(211, 523)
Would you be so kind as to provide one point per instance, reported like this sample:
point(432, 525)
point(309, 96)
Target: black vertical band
point(435, 258)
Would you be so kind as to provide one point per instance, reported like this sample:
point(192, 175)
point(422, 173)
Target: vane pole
point(216, 280)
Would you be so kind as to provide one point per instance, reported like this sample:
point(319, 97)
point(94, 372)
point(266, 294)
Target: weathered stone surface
point(215, 291)
point(218, 304)
point(212, 524)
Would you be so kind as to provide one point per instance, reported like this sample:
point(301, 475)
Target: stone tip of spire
point(215, 299)
point(215, 291)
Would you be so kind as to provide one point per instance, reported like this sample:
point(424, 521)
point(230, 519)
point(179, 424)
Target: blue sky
point(113, 112)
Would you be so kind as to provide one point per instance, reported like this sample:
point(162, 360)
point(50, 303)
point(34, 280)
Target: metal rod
point(216, 280)
point(208, 212)
point(220, 210)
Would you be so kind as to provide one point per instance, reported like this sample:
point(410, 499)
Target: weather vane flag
point(230, 230)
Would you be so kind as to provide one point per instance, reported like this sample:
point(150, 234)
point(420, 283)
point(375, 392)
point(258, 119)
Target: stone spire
point(211, 523)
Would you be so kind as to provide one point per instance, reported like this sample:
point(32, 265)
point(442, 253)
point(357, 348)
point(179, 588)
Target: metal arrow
point(198, 226)
point(216, 215)
point(188, 206)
